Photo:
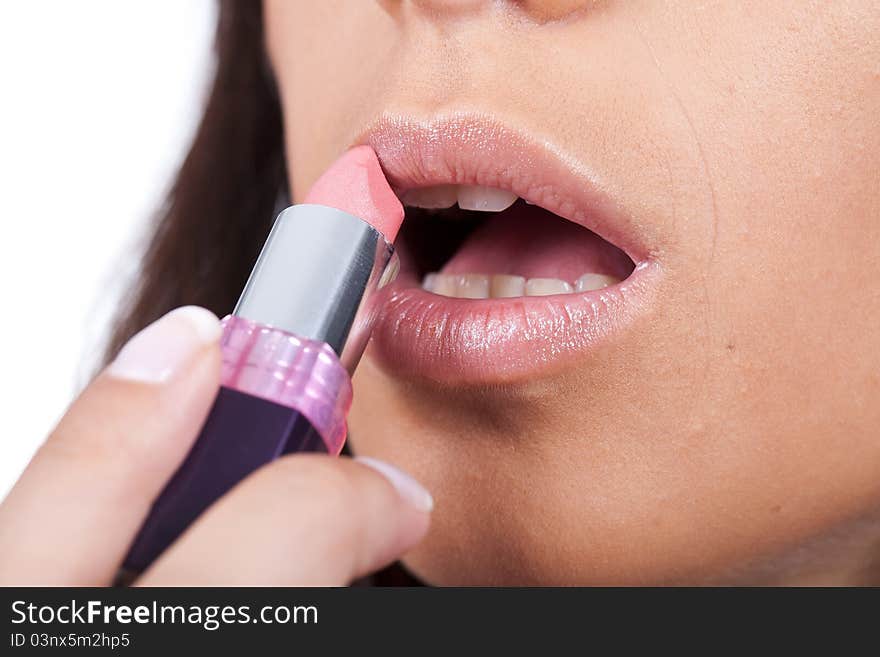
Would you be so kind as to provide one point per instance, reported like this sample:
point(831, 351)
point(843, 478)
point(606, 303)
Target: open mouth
point(512, 261)
point(474, 242)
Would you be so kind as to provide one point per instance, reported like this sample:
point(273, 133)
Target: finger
point(76, 508)
point(305, 520)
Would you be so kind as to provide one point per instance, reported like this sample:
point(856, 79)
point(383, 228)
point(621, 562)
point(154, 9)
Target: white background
point(98, 102)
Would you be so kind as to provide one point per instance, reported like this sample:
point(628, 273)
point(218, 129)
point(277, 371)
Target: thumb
point(303, 520)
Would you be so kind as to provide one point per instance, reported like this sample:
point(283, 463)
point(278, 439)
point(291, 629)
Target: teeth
point(475, 286)
point(484, 199)
point(390, 273)
point(463, 286)
point(501, 286)
point(468, 197)
point(438, 197)
point(589, 282)
point(540, 287)
point(472, 286)
point(445, 285)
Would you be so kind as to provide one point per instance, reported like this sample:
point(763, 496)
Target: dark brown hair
point(209, 230)
point(232, 182)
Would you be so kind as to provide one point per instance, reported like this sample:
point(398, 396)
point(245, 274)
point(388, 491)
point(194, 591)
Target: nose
point(538, 10)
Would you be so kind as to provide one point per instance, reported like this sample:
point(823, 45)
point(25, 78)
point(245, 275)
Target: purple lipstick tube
point(289, 349)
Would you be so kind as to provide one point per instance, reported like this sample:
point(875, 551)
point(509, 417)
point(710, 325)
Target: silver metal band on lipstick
point(320, 276)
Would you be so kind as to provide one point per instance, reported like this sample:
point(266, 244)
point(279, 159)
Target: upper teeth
point(468, 197)
point(497, 286)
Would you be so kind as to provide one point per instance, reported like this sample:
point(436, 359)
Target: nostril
point(545, 11)
point(450, 8)
point(539, 11)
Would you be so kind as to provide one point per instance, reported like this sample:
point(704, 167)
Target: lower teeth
point(499, 286)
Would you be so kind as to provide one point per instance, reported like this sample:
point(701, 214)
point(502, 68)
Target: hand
point(301, 520)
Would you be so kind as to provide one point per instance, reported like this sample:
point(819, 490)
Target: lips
point(546, 269)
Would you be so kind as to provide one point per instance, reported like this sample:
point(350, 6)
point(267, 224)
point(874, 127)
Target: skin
point(71, 516)
point(730, 435)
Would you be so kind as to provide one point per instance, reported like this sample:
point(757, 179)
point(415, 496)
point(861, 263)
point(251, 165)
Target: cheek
point(743, 418)
point(330, 60)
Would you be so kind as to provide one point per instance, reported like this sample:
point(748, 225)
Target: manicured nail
point(158, 352)
point(408, 488)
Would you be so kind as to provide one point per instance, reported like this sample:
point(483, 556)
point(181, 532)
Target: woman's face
point(713, 417)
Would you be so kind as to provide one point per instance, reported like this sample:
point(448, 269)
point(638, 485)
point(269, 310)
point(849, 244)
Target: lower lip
point(491, 341)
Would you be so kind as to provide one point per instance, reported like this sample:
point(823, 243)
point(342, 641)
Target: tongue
point(528, 241)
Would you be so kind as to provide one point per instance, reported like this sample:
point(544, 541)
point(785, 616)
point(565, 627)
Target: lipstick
point(290, 345)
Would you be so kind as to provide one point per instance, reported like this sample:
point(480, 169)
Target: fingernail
point(408, 488)
point(160, 350)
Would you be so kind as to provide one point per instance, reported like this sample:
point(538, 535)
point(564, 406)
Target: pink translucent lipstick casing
point(291, 344)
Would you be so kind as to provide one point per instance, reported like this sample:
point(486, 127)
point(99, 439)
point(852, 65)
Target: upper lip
point(493, 341)
point(468, 149)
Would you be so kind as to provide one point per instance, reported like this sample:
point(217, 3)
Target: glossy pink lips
point(491, 341)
